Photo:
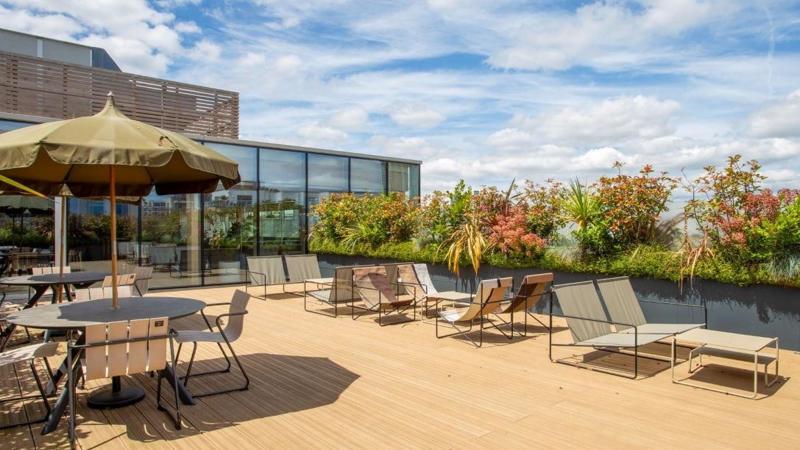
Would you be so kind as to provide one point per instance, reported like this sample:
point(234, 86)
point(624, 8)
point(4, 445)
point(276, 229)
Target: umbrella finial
point(111, 105)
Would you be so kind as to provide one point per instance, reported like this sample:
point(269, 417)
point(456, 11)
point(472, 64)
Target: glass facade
point(204, 239)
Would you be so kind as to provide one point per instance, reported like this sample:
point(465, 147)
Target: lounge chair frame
point(249, 275)
point(482, 317)
point(333, 287)
point(636, 343)
point(521, 300)
point(398, 307)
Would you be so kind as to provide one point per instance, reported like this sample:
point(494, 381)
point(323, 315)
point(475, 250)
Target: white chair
point(29, 354)
point(237, 308)
point(124, 348)
point(96, 293)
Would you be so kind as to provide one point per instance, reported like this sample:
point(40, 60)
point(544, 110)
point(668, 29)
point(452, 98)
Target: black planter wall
point(760, 310)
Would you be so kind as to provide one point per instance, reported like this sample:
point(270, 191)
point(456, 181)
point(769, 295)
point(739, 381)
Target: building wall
point(204, 239)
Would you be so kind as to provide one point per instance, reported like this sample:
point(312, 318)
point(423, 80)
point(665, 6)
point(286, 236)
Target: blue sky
point(482, 90)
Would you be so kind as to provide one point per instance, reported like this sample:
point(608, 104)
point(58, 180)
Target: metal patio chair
point(531, 292)
point(124, 348)
point(485, 302)
point(29, 354)
point(265, 271)
point(378, 294)
point(232, 331)
point(590, 327)
point(337, 292)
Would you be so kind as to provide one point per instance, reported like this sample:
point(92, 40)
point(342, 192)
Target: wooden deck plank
point(320, 382)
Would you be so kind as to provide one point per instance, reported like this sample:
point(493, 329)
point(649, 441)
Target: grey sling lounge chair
point(623, 306)
point(589, 326)
point(337, 292)
point(534, 289)
point(265, 271)
point(378, 294)
point(486, 301)
point(302, 269)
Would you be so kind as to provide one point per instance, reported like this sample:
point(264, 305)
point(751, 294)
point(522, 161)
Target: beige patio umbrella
point(108, 154)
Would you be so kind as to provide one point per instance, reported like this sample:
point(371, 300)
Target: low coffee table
point(446, 296)
point(741, 347)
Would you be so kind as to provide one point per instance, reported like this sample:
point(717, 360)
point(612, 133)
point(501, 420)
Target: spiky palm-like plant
point(467, 239)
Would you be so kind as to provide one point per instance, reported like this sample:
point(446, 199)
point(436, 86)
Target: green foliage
point(617, 223)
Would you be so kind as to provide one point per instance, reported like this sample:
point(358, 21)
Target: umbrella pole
point(113, 197)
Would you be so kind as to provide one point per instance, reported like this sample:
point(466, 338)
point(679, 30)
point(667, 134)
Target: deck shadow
point(739, 379)
point(279, 384)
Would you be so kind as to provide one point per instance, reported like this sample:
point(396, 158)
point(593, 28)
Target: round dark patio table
point(79, 315)
point(40, 284)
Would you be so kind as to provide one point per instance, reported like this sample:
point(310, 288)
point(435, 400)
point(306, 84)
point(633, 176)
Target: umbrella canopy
point(15, 203)
point(48, 156)
point(108, 154)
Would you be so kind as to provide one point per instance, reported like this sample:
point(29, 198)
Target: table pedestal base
point(117, 397)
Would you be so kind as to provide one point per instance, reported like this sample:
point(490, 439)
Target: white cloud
point(779, 120)
point(416, 115)
point(205, 50)
point(349, 119)
point(316, 134)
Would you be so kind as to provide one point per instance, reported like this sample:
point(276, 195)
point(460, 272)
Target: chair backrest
point(487, 298)
point(48, 270)
point(235, 324)
point(373, 285)
point(302, 267)
point(96, 293)
point(125, 279)
point(621, 301)
point(268, 270)
point(410, 283)
point(343, 288)
point(143, 276)
point(530, 292)
point(581, 300)
point(424, 278)
point(139, 346)
point(393, 270)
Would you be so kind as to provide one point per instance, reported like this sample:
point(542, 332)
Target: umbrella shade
point(17, 203)
point(68, 152)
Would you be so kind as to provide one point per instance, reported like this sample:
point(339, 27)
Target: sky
point(487, 91)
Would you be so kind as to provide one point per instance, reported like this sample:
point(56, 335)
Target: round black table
point(40, 284)
point(79, 315)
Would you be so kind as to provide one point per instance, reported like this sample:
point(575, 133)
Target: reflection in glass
point(367, 176)
point(171, 239)
point(404, 178)
point(326, 174)
point(282, 208)
point(229, 220)
point(89, 228)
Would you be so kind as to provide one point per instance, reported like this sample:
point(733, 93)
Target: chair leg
point(244, 387)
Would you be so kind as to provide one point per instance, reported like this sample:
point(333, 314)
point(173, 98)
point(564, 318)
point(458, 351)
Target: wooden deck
point(321, 382)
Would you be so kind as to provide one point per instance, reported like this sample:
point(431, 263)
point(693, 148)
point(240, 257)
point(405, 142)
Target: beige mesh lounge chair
point(589, 326)
point(29, 354)
point(237, 308)
point(409, 284)
point(486, 301)
point(304, 269)
point(623, 306)
point(335, 293)
point(124, 348)
point(265, 271)
point(378, 294)
point(143, 276)
point(534, 289)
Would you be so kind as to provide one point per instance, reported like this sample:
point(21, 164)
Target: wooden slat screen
point(42, 87)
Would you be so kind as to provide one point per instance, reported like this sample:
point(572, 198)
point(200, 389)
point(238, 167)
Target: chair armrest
point(253, 272)
point(216, 304)
point(688, 305)
point(219, 320)
point(323, 283)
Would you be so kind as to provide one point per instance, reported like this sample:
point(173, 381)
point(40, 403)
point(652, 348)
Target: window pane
point(229, 220)
point(171, 239)
point(367, 176)
point(282, 209)
point(88, 238)
point(326, 174)
point(404, 178)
